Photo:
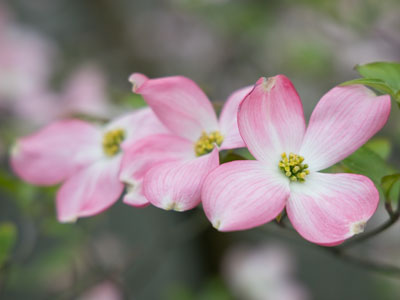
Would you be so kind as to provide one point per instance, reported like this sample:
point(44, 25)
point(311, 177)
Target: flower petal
point(228, 119)
point(243, 194)
point(177, 185)
point(138, 124)
point(179, 103)
point(271, 119)
point(55, 152)
point(90, 191)
point(343, 120)
point(329, 208)
point(140, 156)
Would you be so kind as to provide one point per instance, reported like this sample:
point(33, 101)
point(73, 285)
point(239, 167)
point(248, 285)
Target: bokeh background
point(67, 57)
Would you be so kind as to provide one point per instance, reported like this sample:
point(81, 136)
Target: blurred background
point(67, 57)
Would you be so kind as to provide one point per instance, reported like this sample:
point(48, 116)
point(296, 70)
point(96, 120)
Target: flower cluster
point(167, 155)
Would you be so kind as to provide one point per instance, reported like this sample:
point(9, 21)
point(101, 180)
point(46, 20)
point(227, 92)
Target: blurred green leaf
point(380, 146)
point(8, 237)
point(229, 156)
point(8, 183)
point(133, 101)
point(179, 292)
point(366, 162)
point(390, 187)
point(388, 72)
point(215, 289)
point(376, 84)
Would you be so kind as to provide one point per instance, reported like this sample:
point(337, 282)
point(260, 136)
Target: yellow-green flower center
point(293, 167)
point(112, 141)
point(205, 144)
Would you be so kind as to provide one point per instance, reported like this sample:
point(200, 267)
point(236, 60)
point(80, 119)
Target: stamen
point(112, 141)
point(293, 167)
point(205, 144)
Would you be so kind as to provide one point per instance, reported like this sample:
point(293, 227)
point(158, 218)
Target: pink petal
point(344, 119)
point(228, 119)
point(55, 152)
point(179, 103)
point(329, 208)
point(177, 185)
point(138, 124)
point(90, 191)
point(271, 119)
point(243, 194)
point(140, 156)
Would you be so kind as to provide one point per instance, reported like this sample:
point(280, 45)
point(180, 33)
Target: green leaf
point(179, 291)
point(214, 289)
point(8, 236)
point(380, 146)
point(366, 162)
point(388, 72)
point(134, 101)
point(390, 186)
point(229, 156)
point(376, 84)
point(245, 153)
point(397, 98)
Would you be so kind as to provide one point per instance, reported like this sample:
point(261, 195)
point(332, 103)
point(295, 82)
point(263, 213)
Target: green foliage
point(214, 289)
point(376, 84)
point(8, 237)
point(366, 162)
point(391, 187)
point(388, 72)
point(380, 146)
point(381, 76)
point(133, 101)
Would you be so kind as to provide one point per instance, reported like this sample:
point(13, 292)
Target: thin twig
point(358, 239)
point(373, 266)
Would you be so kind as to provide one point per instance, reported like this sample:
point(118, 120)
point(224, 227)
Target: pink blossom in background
point(26, 60)
point(85, 92)
point(103, 291)
point(177, 163)
point(324, 208)
point(84, 157)
point(262, 272)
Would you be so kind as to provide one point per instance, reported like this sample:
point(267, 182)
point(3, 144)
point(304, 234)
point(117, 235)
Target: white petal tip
point(358, 227)
point(267, 83)
point(137, 80)
point(68, 220)
point(173, 206)
point(217, 224)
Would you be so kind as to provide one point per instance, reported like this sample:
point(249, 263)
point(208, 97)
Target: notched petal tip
point(357, 227)
point(217, 224)
point(67, 220)
point(137, 80)
point(173, 206)
point(267, 83)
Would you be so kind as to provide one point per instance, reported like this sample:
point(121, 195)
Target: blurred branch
point(339, 253)
point(381, 268)
point(363, 237)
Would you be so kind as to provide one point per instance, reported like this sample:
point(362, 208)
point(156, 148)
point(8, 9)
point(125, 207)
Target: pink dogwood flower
point(324, 208)
point(177, 163)
point(84, 157)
